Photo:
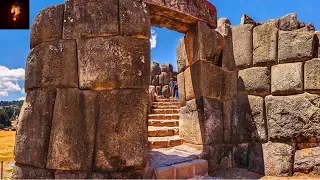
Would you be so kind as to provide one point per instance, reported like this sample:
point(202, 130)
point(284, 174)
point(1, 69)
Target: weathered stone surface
point(164, 78)
point(229, 115)
point(295, 46)
point(293, 116)
point(204, 79)
point(201, 121)
point(230, 83)
point(256, 159)
point(240, 156)
point(278, 159)
point(265, 43)
point(97, 175)
point(159, 90)
point(134, 19)
point(126, 65)
point(181, 89)
point(184, 170)
point(307, 160)
point(155, 80)
point(287, 78)
point(182, 14)
point(73, 130)
point(219, 156)
point(155, 69)
point(271, 159)
point(27, 172)
point(90, 19)
point(222, 21)
point(228, 61)
point(166, 67)
point(250, 123)
point(255, 80)
point(203, 44)
point(52, 64)
point(200, 167)
point(128, 174)
point(312, 75)
point(242, 39)
point(165, 91)
point(47, 25)
point(70, 174)
point(32, 139)
point(245, 19)
point(181, 55)
point(289, 22)
point(166, 172)
point(122, 130)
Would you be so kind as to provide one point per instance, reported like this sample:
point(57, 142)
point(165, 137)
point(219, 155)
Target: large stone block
point(164, 78)
point(295, 46)
point(287, 78)
point(32, 139)
point(293, 116)
point(166, 67)
point(28, 172)
point(242, 38)
point(240, 155)
point(229, 115)
point(134, 19)
point(271, 159)
point(230, 83)
point(203, 44)
point(278, 159)
point(73, 130)
point(250, 123)
point(255, 80)
point(47, 25)
point(90, 19)
point(204, 79)
point(52, 64)
point(122, 130)
point(126, 63)
point(201, 121)
point(227, 54)
point(312, 75)
point(289, 22)
point(307, 160)
point(265, 43)
point(181, 55)
point(155, 69)
point(219, 156)
point(71, 174)
point(181, 88)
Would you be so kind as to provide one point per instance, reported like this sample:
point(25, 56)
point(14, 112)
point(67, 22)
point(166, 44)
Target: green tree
point(4, 119)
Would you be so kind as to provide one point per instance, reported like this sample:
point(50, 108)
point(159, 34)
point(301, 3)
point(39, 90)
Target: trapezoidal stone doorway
point(87, 78)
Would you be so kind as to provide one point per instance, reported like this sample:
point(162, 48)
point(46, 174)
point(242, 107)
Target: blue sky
point(14, 44)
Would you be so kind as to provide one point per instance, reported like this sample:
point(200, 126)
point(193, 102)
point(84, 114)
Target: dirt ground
point(7, 139)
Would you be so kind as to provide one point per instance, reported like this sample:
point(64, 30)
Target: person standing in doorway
point(176, 93)
point(171, 87)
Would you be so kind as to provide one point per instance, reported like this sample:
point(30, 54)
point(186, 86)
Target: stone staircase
point(163, 124)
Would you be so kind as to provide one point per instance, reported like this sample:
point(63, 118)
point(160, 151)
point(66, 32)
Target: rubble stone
point(289, 22)
point(307, 160)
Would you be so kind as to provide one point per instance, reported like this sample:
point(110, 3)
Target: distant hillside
point(9, 111)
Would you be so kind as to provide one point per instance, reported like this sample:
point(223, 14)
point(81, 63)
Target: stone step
point(165, 111)
point(166, 103)
point(164, 142)
point(162, 131)
point(165, 107)
point(186, 170)
point(167, 100)
point(161, 123)
point(163, 116)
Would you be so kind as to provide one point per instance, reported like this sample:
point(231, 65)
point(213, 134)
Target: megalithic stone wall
point(207, 88)
point(278, 114)
point(87, 80)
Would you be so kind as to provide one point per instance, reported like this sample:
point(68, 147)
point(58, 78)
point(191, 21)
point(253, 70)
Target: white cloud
point(153, 39)
point(21, 99)
point(8, 80)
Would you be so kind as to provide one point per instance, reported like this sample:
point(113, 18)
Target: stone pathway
point(163, 124)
